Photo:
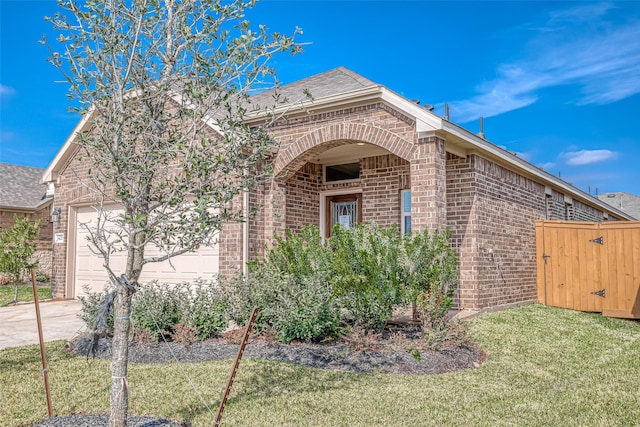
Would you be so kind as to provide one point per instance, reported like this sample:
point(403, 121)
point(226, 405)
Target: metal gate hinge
point(599, 240)
point(599, 293)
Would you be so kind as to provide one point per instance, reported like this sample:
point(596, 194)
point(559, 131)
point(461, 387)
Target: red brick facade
point(489, 208)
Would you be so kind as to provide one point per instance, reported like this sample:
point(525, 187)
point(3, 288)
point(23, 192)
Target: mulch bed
point(385, 353)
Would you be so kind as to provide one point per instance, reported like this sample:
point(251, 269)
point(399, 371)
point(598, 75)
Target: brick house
point(359, 152)
point(22, 194)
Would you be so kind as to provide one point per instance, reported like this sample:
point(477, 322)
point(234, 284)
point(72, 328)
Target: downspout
point(245, 232)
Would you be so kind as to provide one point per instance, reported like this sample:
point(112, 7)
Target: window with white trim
point(405, 212)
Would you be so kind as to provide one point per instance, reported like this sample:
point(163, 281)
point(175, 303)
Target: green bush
point(91, 303)
point(307, 289)
point(158, 308)
point(205, 310)
point(431, 276)
point(296, 308)
point(304, 309)
point(366, 273)
point(291, 289)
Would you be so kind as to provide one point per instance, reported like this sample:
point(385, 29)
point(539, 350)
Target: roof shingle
point(333, 82)
point(20, 187)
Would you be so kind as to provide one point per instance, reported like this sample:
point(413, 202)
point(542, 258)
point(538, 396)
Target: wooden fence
point(590, 266)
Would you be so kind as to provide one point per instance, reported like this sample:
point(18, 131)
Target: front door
point(343, 209)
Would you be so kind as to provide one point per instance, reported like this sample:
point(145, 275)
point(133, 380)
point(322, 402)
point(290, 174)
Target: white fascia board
point(426, 121)
point(485, 147)
point(67, 149)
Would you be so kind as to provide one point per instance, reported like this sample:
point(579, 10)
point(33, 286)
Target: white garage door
point(89, 269)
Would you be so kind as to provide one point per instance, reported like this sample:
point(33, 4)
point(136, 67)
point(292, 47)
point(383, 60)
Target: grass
point(25, 293)
point(545, 366)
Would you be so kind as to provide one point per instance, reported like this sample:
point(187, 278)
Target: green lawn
point(25, 293)
point(545, 367)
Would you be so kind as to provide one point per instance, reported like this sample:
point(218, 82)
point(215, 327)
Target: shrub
point(452, 333)
point(296, 307)
point(431, 276)
point(184, 334)
point(91, 304)
point(17, 246)
point(291, 288)
point(365, 272)
point(205, 310)
point(157, 308)
point(303, 309)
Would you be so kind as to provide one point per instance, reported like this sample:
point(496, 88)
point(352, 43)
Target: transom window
point(342, 172)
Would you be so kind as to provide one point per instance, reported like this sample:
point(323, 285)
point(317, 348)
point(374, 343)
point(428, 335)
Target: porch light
point(55, 214)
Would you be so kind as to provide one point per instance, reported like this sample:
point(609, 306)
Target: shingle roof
point(333, 82)
point(20, 187)
point(626, 202)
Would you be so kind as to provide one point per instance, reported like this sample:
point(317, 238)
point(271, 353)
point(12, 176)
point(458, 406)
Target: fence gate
point(590, 266)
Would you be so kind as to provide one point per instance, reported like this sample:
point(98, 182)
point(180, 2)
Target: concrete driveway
point(18, 325)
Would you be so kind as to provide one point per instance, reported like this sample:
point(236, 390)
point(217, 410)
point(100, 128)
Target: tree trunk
point(15, 294)
point(120, 358)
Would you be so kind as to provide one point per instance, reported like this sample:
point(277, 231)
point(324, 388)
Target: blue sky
point(557, 82)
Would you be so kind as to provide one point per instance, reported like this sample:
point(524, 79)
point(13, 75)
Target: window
point(343, 172)
point(405, 212)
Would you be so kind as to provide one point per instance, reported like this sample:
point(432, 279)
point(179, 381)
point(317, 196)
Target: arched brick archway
point(293, 156)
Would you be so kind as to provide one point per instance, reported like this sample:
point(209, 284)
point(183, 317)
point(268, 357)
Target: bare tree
point(165, 86)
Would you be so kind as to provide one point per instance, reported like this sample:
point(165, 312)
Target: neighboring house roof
point(626, 202)
point(21, 188)
point(342, 87)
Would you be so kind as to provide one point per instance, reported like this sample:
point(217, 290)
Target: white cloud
point(6, 90)
point(547, 166)
point(578, 46)
point(586, 157)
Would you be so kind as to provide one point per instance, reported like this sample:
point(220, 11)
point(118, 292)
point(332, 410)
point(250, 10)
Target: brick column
point(275, 209)
point(429, 184)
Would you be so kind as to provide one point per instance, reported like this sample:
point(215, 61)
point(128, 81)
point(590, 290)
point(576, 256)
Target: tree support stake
point(234, 370)
point(43, 354)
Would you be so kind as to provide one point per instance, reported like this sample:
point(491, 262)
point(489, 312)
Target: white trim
point(323, 204)
point(66, 151)
point(70, 266)
point(245, 233)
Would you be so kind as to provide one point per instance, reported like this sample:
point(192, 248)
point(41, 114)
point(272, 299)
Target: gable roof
point(340, 87)
point(21, 188)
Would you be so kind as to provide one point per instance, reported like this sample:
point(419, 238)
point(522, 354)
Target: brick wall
point(491, 214)
point(461, 220)
point(582, 212)
point(508, 205)
point(303, 199)
point(381, 179)
point(428, 185)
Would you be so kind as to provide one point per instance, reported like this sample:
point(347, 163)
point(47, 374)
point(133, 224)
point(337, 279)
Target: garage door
point(89, 269)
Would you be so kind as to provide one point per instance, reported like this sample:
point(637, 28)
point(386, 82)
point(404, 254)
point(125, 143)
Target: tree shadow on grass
point(268, 379)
